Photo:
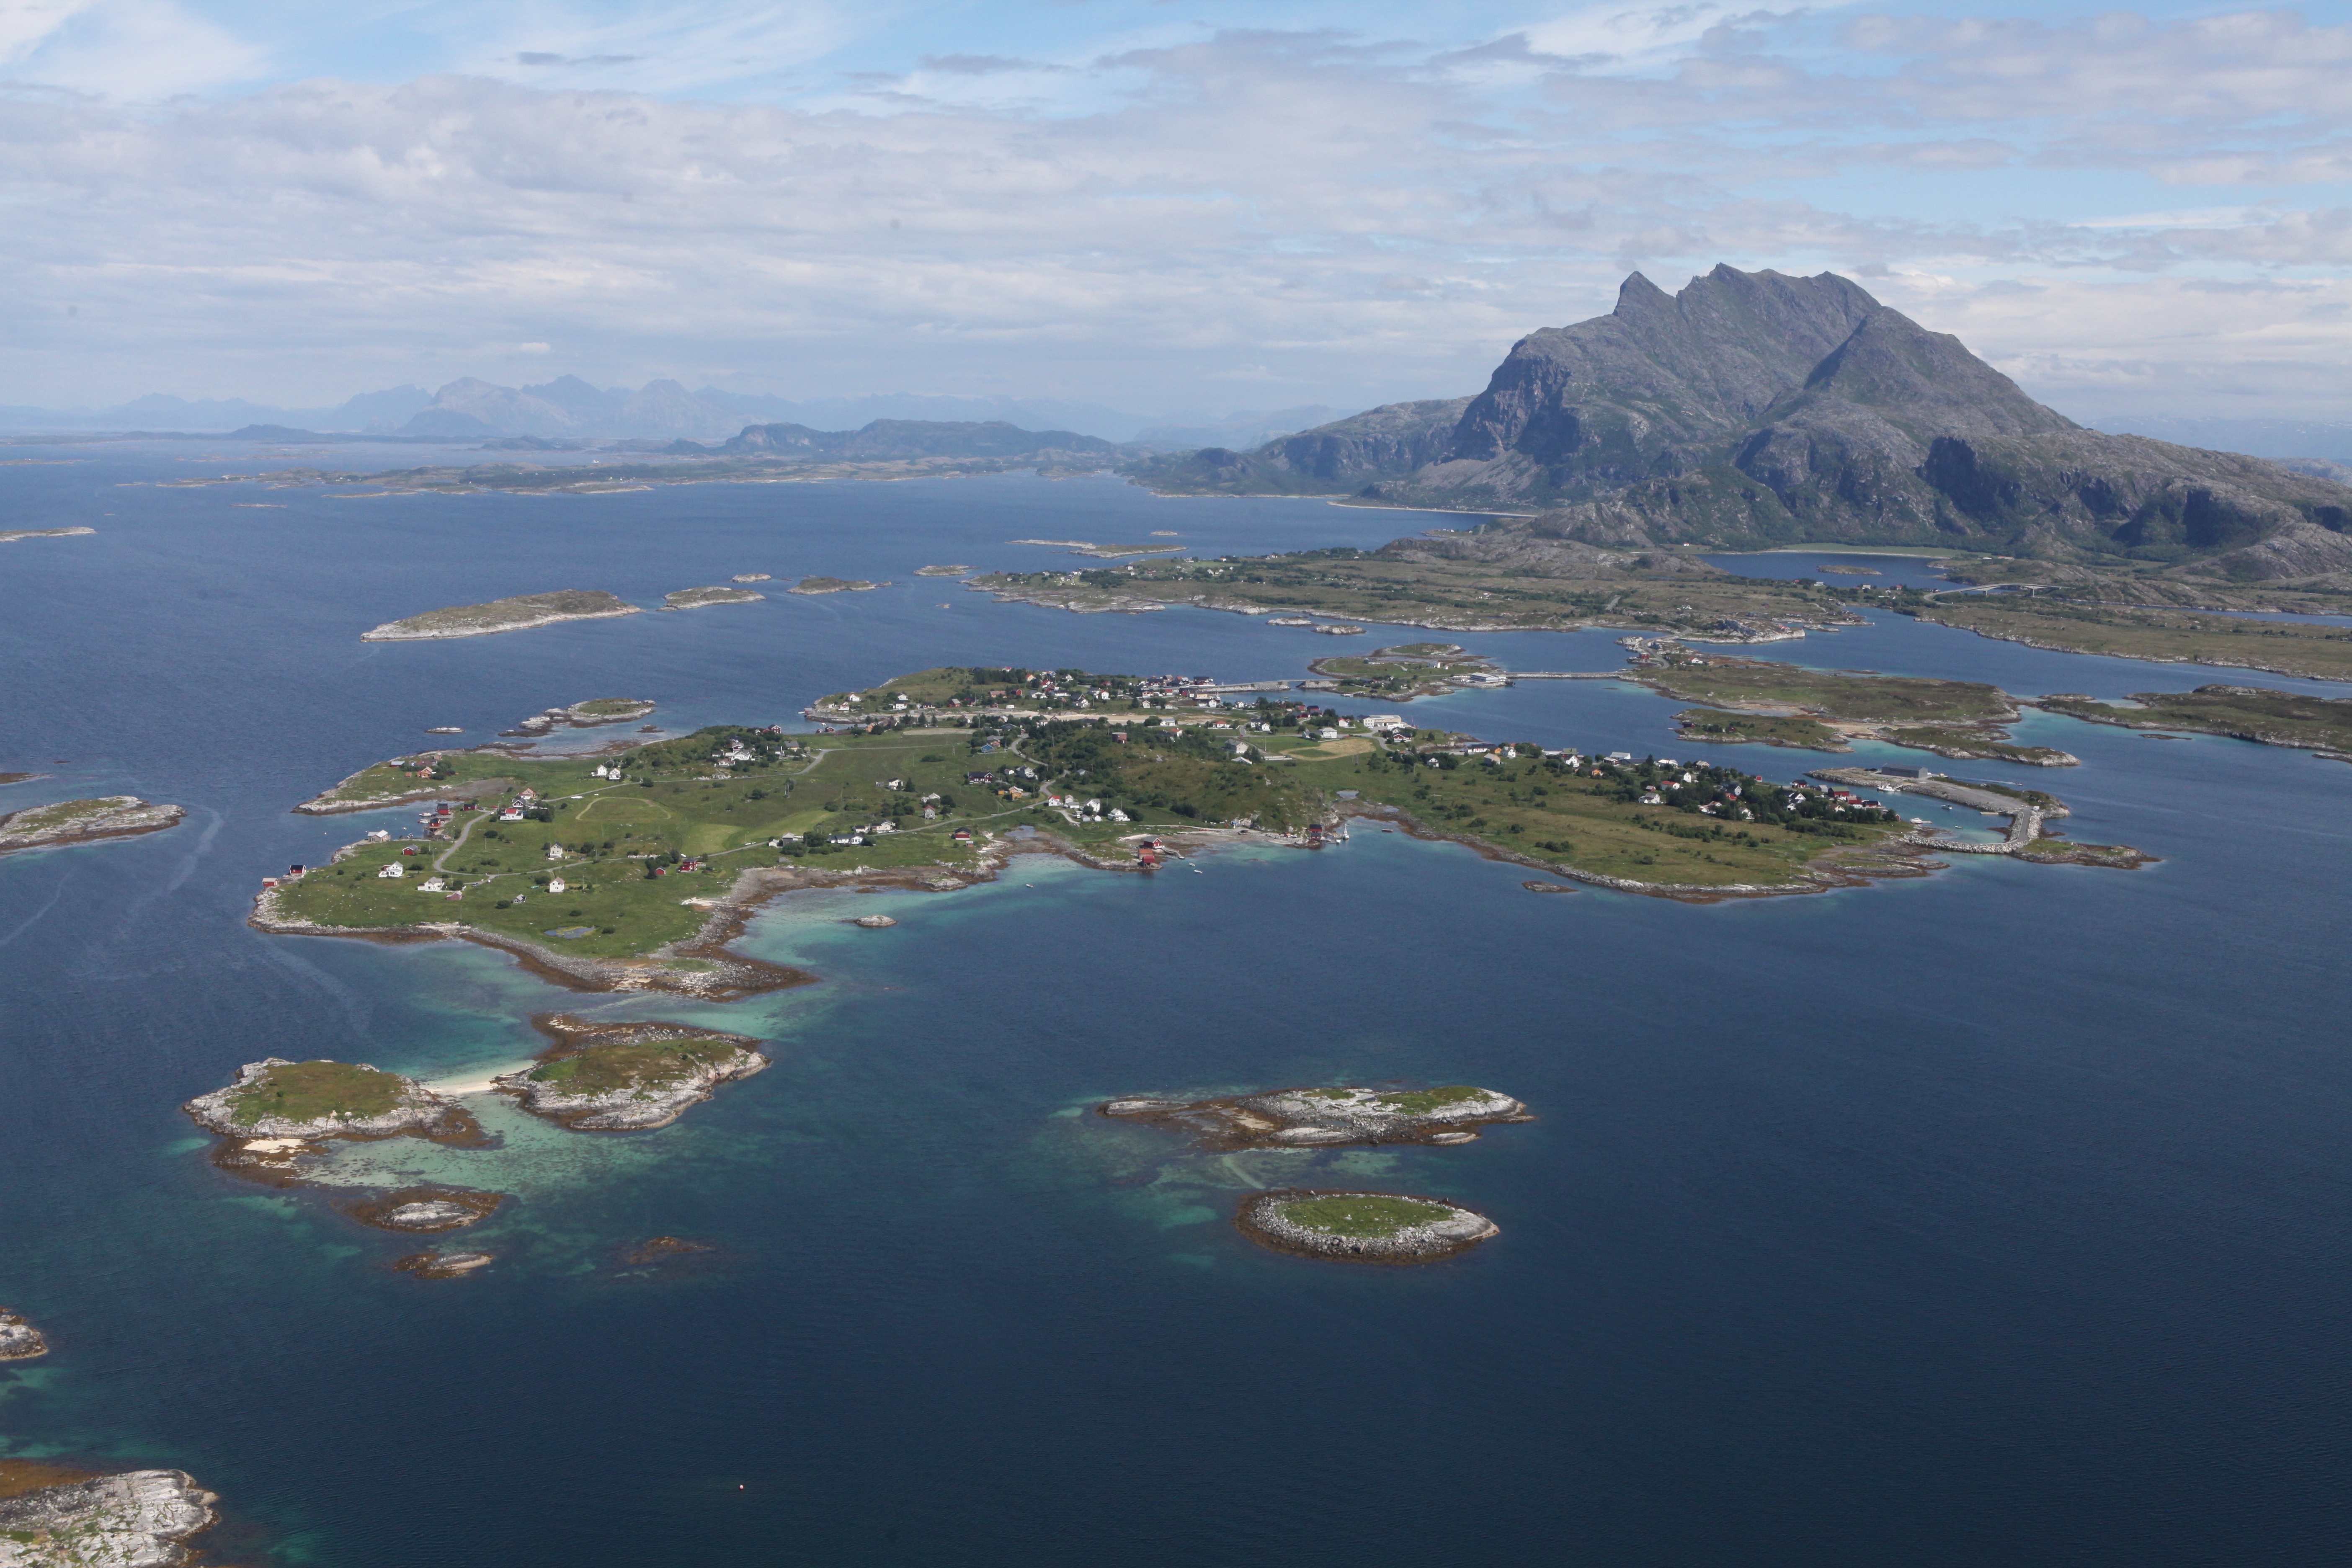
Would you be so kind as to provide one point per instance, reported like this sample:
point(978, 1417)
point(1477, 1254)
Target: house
point(963, 835)
point(394, 870)
point(1117, 815)
point(1327, 734)
point(555, 851)
point(432, 885)
point(555, 884)
point(511, 813)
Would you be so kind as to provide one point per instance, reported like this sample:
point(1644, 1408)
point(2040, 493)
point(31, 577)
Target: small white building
point(555, 851)
point(1327, 734)
point(432, 885)
point(555, 884)
point(511, 813)
point(394, 870)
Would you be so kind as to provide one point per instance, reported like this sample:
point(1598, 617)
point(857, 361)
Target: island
point(278, 1114)
point(635, 868)
point(428, 1209)
point(834, 585)
point(2257, 713)
point(54, 1516)
point(518, 613)
point(1825, 710)
point(750, 577)
point(1404, 672)
point(444, 1265)
point(16, 535)
point(1329, 1116)
point(941, 571)
point(696, 598)
point(19, 1341)
point(613, 1077)
point(1361, 1228)
point(84, 822)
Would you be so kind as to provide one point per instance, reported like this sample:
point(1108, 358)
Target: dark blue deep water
point(1992, 1217)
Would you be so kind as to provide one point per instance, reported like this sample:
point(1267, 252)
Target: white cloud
point(1351, 219)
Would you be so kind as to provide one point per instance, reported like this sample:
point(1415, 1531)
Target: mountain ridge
point(1756, 409)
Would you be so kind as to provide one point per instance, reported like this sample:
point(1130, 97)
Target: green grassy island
point(695, 598)
point(602, 1076)
point(84, 822)
point(1361, 1228)
point(518, 613)
point(633, 868)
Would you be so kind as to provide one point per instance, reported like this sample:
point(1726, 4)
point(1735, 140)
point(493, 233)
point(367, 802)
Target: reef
point(1316, 1118)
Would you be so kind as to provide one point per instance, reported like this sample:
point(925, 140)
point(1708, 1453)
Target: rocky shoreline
point(139, 1519)
point(85, 822)
point(19, 1341)
point(1438, 1229)
point(644, 1090)
point(1326, 1117)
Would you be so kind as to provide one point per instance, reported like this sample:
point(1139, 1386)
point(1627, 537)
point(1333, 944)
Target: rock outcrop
point(139, 1518)
point(84, 822)
point(278, 1099)
point(19, 1341)
point(1361, 1228)
point(1319, 1118)
point(618, 1077)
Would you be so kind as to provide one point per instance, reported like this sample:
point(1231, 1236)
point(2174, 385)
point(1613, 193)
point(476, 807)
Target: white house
point(555, 851)
point(511, 813)
point(394, 870)
point(555, 884)
point(431, 885)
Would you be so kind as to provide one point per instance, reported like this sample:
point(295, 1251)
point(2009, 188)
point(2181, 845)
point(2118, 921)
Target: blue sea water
point(1994, 1217)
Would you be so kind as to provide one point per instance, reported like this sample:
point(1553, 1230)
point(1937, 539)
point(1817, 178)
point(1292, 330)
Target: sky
point(1176, 207)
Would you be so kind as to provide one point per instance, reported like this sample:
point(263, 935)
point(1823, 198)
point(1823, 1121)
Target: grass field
point(2312, 649)
point(1360, 1215)
point(1349, 583)
point(2281, 717)
point(1829, 693)
point(648, 1064)
point(304, 1091)
point(1725, 726)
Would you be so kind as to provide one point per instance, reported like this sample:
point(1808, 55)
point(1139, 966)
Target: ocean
point(1992, 1216)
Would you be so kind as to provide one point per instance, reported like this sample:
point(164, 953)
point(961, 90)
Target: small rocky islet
point(278, 1114)
point(19, 1341)
point(1329, 1116)
point(83, 821)
point(1359, 1226)
point(627, 1078)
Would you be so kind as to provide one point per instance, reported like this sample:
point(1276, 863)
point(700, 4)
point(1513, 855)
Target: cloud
point(1354, 218)
point(541, 58)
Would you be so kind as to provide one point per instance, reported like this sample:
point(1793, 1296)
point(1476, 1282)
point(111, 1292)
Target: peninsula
point(1361, 1228)
point(1326, 1117)
point(84, 822)
point(608, 1077)
point(518, 613)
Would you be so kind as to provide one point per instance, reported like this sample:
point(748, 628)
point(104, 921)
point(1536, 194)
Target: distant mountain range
point(568, 408)
point(1756, 408)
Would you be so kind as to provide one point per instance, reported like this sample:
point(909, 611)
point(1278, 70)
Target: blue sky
point(1170, 207)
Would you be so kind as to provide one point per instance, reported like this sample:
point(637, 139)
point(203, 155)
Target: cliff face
point(1757, 408)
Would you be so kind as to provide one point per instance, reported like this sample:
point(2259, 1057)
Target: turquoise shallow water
point(1994, 1217)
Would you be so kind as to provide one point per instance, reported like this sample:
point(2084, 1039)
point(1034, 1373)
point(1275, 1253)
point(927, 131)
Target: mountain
point(1756, 408)
point(890, 438)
